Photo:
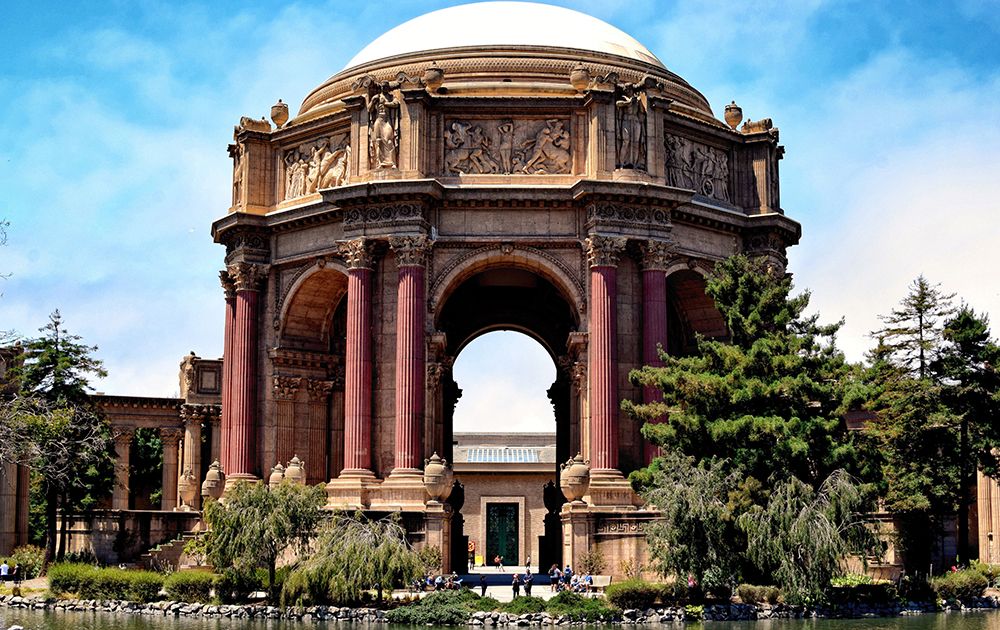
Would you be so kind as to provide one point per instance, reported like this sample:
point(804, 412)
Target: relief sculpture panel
point(506, 147)
point(312, 166)
point(696, 167)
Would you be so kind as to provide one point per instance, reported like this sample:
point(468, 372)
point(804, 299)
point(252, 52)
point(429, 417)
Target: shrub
point(852, 591)
point(65, 578)
point(633, 594)
point(579, 608)
point(751, 594)
point(960, 585)
point(592, 562)
point(190, 586)
point(486, 604)
point(30, 558)
point(989, 571)
point(443, 608)
point(142, 586)
point(233, 587)
point(678, 592)
point(112, 583)
point(525, 605)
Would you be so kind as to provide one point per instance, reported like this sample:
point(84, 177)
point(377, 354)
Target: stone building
point(484, 167)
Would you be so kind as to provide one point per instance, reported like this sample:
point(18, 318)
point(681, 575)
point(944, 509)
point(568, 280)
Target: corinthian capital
point(247, 276)
point(227, 284)
point(319, 390)
point(411, 250)
point(604, 251)
point(285, 387)
point(656, 254)
point(358, 253)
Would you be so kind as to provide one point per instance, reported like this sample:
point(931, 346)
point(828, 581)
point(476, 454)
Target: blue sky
point(117, 115)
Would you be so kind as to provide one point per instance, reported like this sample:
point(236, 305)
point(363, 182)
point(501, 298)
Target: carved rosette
point(228, 288)
point(657, 254)
point(604, 251)
point(248, 276)
point(285, 387)
point(319, 390)
point(411, 251)
point(358, 253)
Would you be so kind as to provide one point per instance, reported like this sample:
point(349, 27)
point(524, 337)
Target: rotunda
point(492, 166)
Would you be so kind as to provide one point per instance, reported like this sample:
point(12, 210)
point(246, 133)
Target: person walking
point(515, 585)
point(4, 571)
point(498, 560)
point(527, 564)
point(482, 585)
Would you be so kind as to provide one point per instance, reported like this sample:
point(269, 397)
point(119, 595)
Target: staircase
point(169, 555)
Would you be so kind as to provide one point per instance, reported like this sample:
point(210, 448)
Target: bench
point(600, 582)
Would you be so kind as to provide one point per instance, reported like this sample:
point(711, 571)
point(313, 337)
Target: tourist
point(438, 583)
point(554, 576)
point(515, 585)
point(528, 579)
point(588, 582)
point(498, 561)
point(567, 575)
point(18, 574)
point(4, 571)
point(527, 564)
point(482, 584)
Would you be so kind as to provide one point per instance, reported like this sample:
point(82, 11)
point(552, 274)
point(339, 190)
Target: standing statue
point(630, 129)
point(383, 125)
point(295, 173)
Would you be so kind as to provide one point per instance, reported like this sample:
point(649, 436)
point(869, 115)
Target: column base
point(403, 489)
point(352, 489)
point(232, 480)
point(609, 488)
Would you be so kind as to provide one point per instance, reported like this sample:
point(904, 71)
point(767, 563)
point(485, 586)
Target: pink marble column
point(358, 359)
point(655, 256)
point(285, 390)
point(603, 254)
point(225, 428)
point(243, 375)
point(122, 436)
point(411, 256)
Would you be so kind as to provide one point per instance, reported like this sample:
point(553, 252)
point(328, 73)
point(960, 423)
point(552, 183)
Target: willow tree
point(351, 556)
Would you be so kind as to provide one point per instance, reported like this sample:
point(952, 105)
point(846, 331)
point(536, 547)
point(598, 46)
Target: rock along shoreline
point(669, 614)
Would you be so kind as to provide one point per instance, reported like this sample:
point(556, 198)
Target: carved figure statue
point(506, 145)
point(295, 175)
point(697, 167)
point(630, 129)
point(678, 161)
point(383, 126)
point(335, 168)
point(315, 161)
point(550, 153)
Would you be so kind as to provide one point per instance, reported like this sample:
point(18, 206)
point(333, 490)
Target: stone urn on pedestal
point(574, 480)
point(433, 77)
point(579, 77)
point(295, 471)
point(214, 481)
point(276, 477)
point(734, 114)
point(187, 490)
point(438, 479)
point(279, 113)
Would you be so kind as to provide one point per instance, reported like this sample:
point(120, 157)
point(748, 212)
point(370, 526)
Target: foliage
point(190, 586)
point(694, 611)
point(632, 594)
point(257, 524)
point(88, 582)
point(989, 571)
point(430, 558)
point(352, 555)
point(911, 337)
point(31, 559)
point(960, 585)
point(880, 593)
point(234, 586)
point(441, 608)
point(145, 476)
point(751, 594)
point(524, 605)
point(768, 403)
point(630, 568)
point(592, 562)
point(802, 535)
point(576, 607)
point(697, 535)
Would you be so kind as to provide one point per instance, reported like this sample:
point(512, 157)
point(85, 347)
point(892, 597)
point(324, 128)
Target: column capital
point(656, 255)
point(247, 276)
point(604, 251)
point(122, 434)
point(578, 375)
point(319, 390)
point(358, 253)
point(228, 287)
point(435, 371)
point(286, 387)
point(411, 251)
point(170, 436)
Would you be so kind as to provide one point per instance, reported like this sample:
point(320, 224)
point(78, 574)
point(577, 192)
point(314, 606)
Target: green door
point(501, 533)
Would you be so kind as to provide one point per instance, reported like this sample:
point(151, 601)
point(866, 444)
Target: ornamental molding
point(358, 253)
point(171, 436)
point(318, 390)
point(611, 213)
point(384, 214)
point(285, 387)
point(608, 526)
point(247, 244)
point(604, 251)
point(228, 288)
point(122, 434)
point(247, 276)
point(411, 251)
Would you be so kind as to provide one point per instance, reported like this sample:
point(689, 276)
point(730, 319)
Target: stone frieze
point(507, 146)
point(696, 167)
point(322, 163)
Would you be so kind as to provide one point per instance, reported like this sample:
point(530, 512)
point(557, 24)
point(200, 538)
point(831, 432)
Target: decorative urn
point(579, 77)
point(433, 77)
point(295, 471)
point(279, 113)
point(438, 478)
point(574, 480)
point(214, 480)
point(187, 489)
point(277, 475)
point(734, 114)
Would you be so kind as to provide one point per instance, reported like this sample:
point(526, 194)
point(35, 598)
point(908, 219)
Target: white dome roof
point(504, 24)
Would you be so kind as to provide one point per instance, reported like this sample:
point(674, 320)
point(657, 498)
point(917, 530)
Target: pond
point(48, 620)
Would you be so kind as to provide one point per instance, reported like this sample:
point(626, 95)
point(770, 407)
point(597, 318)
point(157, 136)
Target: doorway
point(502, 532)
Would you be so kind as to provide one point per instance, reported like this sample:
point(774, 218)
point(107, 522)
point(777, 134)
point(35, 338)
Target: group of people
point(522, 580)
point(11, 574)
point(439, 582)
point(566, 579)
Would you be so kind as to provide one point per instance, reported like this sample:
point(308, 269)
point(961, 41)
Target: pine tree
point(912, 332)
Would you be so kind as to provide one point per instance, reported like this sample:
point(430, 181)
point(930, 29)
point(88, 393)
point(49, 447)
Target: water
point(48, 620)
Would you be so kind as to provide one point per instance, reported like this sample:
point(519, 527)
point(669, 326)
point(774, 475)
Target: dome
point(504, 24)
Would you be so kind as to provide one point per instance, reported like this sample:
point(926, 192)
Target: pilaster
point(170, 437)
point(122, 436)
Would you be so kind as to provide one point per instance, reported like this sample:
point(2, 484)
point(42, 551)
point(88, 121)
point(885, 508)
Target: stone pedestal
point(352, 490)
point(403, 489)
point(438, 527)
